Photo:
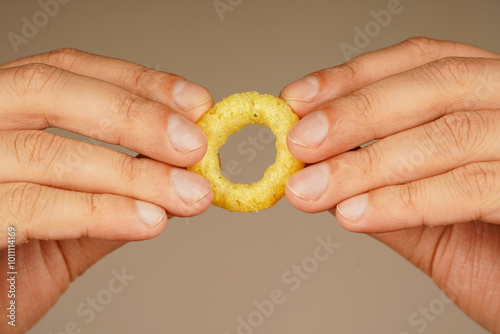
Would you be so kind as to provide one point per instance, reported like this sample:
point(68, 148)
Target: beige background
point(203, 273)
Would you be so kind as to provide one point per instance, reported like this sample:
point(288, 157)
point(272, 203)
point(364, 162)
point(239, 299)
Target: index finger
point(180, 94)
point(318, 88)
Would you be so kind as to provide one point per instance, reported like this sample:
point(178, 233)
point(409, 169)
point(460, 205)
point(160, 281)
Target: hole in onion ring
point(247, 154)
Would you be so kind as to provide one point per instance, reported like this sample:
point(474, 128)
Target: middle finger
point(395, 104)
point(428, 150)
point(40, 157)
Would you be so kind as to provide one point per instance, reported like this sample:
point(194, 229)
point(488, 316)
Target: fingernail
point(150, 214)
point(311, 182)
point(310, 131)
point(185, 136)
point(353, 208)
point(189, 95)
point(303, 90)
point(189, 186)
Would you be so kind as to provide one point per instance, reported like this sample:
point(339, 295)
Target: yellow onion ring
point(231, 115)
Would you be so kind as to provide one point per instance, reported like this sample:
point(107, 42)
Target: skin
point(430, 185)
point(77, 201)
point(421, 98)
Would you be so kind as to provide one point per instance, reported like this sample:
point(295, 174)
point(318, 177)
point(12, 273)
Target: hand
point(434, 107)
point(77, 201)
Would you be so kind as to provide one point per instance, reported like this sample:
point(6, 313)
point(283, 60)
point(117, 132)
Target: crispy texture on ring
point(231, 115)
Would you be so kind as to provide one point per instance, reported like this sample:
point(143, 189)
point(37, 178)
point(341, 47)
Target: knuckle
point(32, 147)
point(475, 181)
point(23, 201)
point(129, 106)
point(453, 70)
point(146, 79)
point(369, 160)
point(424, 47)
point(92, 206)
point(408, 195)
point(32, 78)
point(365, 103)
point(353, 69)
point(130, 168)
point(63, 57)
point(458, 68)
point(458, 131)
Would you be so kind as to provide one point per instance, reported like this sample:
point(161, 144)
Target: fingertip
point(187, 139)
point(307, 138)
point(301, 93)
point(305, 189)
point(197, 112)
point(197, 207)
point(150, 214)
point(296, 201)
point(202, 204)
point(192, 157)
point(129, 219)
point(299, 152)
point(353, 214)
point(359, 214)
point(206, 202)
point(194, 192)
point(347, 224)
point(191, 99)
point(353, 208)
point(150, 221)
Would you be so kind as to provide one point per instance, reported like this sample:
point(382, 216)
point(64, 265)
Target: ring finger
point(39, 157)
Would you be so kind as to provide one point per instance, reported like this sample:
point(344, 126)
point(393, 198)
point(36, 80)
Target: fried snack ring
point(231, 115)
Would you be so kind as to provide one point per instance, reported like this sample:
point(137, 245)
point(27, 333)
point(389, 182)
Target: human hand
point(77, 201)
point(430, 186)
